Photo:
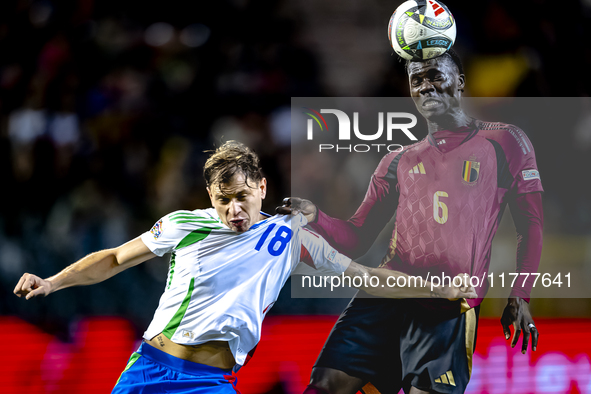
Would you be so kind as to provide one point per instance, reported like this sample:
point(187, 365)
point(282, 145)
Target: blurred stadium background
point(106, 109)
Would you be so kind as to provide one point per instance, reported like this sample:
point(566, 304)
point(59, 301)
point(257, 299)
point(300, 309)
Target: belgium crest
point(470, 171)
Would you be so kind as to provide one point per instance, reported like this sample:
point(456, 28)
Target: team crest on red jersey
point(470, 171)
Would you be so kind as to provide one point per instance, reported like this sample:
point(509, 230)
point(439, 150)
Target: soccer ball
point(421, 30)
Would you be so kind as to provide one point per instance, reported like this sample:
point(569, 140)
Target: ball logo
point(437, 24)
point(437, 43)
point(436, 8)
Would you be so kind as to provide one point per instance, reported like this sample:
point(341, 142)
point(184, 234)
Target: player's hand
point(517, 313)
point(295, 205)
point(458, 289)
point(32, 286)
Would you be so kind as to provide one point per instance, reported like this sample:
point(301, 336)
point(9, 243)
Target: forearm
point(386, 283)
point(94, 268)
point(528, 217)
point(341, 234)
point(355, 236)
point(100, 266)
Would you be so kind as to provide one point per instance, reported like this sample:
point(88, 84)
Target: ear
point(263, 187)
point(209, 192)
point(461, 81)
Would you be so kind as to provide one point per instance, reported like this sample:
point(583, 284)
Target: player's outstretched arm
point(380, 282)
point(94, 268)
point(388, 282)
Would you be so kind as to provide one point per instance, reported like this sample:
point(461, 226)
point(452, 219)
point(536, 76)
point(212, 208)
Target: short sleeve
point(522, 162)
point(169, 232)
point(323, 257)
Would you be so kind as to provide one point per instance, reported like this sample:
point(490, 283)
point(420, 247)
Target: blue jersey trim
point(261, 222)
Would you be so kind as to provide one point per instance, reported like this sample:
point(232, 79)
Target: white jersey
point(221, 283)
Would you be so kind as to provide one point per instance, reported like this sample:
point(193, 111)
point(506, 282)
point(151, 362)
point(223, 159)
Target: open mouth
point(431, 103)
point(237, 222)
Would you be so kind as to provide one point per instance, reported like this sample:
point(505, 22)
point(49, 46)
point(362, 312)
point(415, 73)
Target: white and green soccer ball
point(421, 29)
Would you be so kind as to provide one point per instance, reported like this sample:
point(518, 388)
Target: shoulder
point(185, 219)
point(511, 138)
point(197, 214)
point(179, 229)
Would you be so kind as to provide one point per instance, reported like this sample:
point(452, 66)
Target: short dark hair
point(231, 158)
point(451, 54)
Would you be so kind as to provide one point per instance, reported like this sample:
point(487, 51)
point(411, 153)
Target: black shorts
point(397, 344)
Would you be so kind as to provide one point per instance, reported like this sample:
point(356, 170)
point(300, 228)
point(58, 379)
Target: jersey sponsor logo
point(157, 229)
point(446, 378)
point(528, 175)
point(418, 169)
point(470, 171)
point(187, 334)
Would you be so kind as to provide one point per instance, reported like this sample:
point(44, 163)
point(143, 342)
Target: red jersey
point(449, 191)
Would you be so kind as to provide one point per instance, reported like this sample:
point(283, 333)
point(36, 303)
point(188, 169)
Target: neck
point(452, 121)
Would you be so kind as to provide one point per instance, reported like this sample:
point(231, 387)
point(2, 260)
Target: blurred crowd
point(107, 107)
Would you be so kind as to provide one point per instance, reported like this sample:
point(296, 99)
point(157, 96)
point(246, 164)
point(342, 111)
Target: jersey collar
point(470, 129)
point(257, 224)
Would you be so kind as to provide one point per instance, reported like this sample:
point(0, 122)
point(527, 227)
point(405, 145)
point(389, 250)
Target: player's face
point(238, 204)
point(435, 86)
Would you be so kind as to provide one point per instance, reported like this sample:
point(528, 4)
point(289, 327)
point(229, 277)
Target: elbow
point(113, 256)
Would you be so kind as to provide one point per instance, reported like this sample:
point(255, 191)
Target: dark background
point(107, 107)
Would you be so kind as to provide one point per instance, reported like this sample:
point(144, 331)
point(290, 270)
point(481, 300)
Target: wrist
point(436, 292)
point(51, 284)
point(518, 298)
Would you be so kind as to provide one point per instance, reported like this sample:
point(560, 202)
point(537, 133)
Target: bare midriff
point(212, 353)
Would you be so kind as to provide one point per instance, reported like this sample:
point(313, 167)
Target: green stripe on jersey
point(202, 221)
point(134, 357)
point(175, 322)
point(185, 216)
point(195, 236)
point(171, 270)
point(189, 216)
point(174, 215)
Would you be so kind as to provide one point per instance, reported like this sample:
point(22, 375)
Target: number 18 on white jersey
point(221, 283)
